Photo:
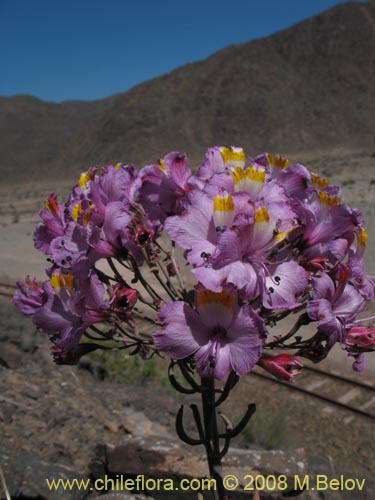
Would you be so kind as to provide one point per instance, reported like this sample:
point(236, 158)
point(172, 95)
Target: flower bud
point(281, 366)
point(317, 264)
point(30, 296)
point(72, 356)
point(171, 269)
point(123, 298)
point(360, 339)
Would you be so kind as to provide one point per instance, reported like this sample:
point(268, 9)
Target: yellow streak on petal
point(250, 173)
point(117, 166)
point(223, 203)
point(59, 281)
point(362, 237)
point(238, 175)
point(68, 281)
point(84, 178)
point(328, 200)
point(208, 297)
point(86, 217)
point(233, 155)
point(282, 235)
point(161, 166)
point(277, 161)
point(76, 211)
point(55, 281)
point(257, 175)
point(318, 181)
point(261, 215)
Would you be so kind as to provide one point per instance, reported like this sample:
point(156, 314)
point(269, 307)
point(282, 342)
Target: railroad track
point(7, 289)
point(353, 396)
point(356, 397)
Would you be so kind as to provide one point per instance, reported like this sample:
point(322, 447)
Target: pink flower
point(221, 335)
point(53, 224)
point(334, 302)
point(282, 366)
point(30, 296)
point(71, 306)
point(163, 186)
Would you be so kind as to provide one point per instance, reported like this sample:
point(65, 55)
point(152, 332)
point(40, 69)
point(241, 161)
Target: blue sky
point(87, 49)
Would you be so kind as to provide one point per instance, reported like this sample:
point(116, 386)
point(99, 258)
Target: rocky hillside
point(307, 87)
point(33, 134)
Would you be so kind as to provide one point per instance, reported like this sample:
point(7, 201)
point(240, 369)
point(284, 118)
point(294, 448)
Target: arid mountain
point(310, 86)
point(33, 134)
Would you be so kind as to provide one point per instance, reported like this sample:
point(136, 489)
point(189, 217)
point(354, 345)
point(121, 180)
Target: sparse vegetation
point(132, 369)
point(267, 429)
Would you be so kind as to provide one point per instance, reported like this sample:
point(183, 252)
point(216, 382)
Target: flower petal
point(182, 332)
point(245, 340)
point(195, 224)
point(349, 303)
point(323, 287)
point(213, 360)
point(319, 310)
point(284, 286)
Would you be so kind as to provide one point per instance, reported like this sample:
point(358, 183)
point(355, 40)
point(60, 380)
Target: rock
point(97, 371)
point(136, 423)
point(158, 457)
point(10, 355)
point(6, 412)
point(26, 474)
point(31, 392)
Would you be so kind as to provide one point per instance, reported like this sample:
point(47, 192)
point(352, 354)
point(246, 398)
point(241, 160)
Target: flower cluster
point(263, 239)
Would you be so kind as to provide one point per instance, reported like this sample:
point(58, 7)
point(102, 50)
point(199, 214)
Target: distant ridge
point(310, 86)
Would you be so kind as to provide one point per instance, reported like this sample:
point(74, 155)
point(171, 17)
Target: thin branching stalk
point(139, 277)
point(4, 484)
